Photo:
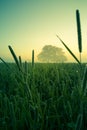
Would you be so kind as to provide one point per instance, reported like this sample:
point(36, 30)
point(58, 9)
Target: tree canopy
point(52, 54)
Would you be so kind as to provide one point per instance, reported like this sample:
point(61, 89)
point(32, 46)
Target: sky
point(31, 24)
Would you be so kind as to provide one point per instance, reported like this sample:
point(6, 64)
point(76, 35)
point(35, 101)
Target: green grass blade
point(26, 67)
point(14, 56)
point(32, 58)
point(79, 31)
point(79, 122)
point(12, 116)
point(5, 63)
point(69, 50)
point(20, 61)
point(84, 81)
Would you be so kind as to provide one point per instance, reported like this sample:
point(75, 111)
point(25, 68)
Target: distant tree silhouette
point(52, 54)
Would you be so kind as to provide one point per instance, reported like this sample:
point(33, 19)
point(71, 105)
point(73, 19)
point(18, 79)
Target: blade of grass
point(12, 116)
point(79, 31)
point(20, 61)
point(69, 50)
point(32, 58)
point(17, 61)
point(14, 56)
point(5, 63)
point(79, 122)
point(84, 81)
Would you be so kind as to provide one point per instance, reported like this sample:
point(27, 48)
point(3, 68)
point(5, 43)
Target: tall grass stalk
point(5, 63)
point(20, 61)
point(79, 32)
point(12, 116)
point(69, 50)
point(17, 61)
point(84, 81)
point(79, 122)
point(26, 67)
point(32, 58)
point(15, 57)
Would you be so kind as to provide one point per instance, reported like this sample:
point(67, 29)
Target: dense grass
point(46, 96)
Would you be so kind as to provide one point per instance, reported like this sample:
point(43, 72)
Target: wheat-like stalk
point(5, 63)
point(69, 50)
point(79, 32)
point(32, 58)
point(14, 56)
point(20, 61)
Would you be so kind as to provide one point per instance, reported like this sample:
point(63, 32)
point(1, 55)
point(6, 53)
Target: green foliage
point(49, 97)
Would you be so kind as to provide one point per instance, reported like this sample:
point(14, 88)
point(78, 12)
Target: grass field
point(42, 97)
point(35, 96)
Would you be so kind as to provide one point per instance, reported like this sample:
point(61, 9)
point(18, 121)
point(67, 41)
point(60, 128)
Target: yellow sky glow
point(32, 24)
